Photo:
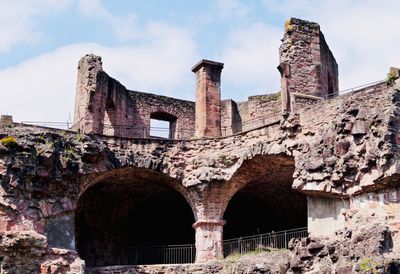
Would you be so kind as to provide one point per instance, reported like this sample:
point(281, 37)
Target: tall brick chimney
point(208, 98)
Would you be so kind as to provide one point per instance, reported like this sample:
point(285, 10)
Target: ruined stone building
point(306, 157)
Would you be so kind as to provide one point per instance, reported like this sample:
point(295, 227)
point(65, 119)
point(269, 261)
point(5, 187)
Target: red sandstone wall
point(237, 117)
point(230, 117)
point(329, 69)
point(147, 104)
point(88, 100)
point(263, 105)
point(306, 60)
point(105, 106)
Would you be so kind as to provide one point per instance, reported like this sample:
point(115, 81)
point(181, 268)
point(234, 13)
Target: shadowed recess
point(267, 202)
point(117, 215)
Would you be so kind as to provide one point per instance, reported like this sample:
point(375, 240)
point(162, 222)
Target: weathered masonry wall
point(180, 113)
point(308, 69)
point(230, 118)
point(307, 66)
point(264, 105)
point(341, 156)
point(380, 207)
point(344, 154)
point(328, 70)
point(242, 116)
point(105, 106)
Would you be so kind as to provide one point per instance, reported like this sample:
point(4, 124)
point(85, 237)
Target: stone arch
point(130, 207)
point(182, 113)
point(262, 188)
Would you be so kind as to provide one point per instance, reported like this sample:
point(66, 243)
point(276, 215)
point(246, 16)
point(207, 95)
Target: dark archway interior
point(267, 202)
point(126, 211)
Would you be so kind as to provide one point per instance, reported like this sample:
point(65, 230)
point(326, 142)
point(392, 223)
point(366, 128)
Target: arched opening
point(127, 211)
point(267, 202)
point(162, 125)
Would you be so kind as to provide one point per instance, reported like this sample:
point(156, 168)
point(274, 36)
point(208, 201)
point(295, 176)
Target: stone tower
point(88, 100)
point(307, 65)
point(208, 98)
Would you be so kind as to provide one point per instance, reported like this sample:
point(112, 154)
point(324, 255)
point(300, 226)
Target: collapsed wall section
point(105, 106)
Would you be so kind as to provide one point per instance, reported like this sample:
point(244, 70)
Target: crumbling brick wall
point(264, 105)
point(105, 106)
point(242, 116)
point(307, 65)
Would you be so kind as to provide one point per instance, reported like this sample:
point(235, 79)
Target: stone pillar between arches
point(209, 237)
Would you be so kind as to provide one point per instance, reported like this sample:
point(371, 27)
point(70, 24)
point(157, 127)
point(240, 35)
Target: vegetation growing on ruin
point(368, 266)
point(70, 154)
point(80, 137)
point(277, 95)
point(225, 159)
point(390, 79)
point(8, 141)
point(288, 26)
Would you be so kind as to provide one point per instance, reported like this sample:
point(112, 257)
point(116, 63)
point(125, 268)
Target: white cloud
point(43, 88)
point(227, 8)
point(250, 57)
point(17, 20)
point(20, 20)
point(124, 27)
point(361, 34)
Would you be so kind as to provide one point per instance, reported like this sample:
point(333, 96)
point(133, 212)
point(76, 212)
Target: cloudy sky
point(150, 45)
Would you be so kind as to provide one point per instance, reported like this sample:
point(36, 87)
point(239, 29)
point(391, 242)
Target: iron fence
point(56, 125)
point(184, 254)
point(274, 240)
point(147, 132)
point(146, 255)
point(251, 124)
point(132, 131)
point(171, 254)
point(353, 89)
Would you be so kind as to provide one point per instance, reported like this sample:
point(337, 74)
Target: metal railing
point(186, 254)
point(56, 125)
point(251, 124)
point(132, 131)
point(145, 255)
point(274, 240)
point(353, 89)
point(147, 132)
point(123, 130)
point(171, 254)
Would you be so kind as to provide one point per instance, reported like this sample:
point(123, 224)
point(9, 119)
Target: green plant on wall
point(390, 79)
point(288, 26)
point(277, 95)
point(8, 141)
point(70, 154)
point(368, 266)
point(224, 159)
point(80, 137)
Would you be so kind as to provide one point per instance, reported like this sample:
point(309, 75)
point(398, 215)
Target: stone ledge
point(209, 222)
